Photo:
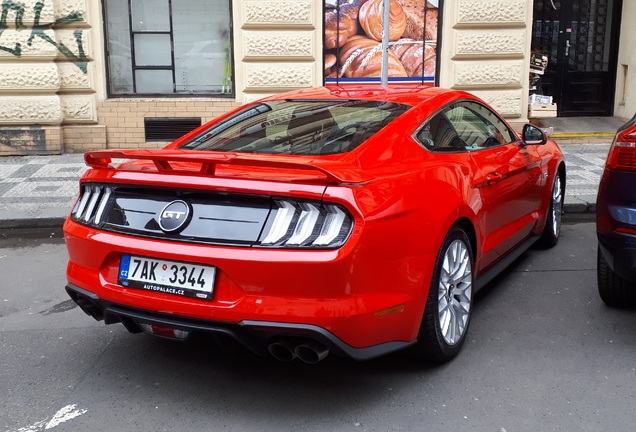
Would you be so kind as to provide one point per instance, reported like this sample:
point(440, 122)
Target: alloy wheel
point(455, 292)
point(557, 205)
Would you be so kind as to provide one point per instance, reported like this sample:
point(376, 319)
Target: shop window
point(168, 47)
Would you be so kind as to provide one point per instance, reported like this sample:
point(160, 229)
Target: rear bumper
point(619, 250)
point(359, 295)
point(616, 222)
point(254, 335)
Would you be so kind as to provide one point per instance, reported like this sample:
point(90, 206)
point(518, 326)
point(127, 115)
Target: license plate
point(172, 277)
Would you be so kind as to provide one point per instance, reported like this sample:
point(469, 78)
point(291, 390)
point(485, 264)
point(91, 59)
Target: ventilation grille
point(169, 129)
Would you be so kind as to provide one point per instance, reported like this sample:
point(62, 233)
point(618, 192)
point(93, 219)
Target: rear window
point(302, 127)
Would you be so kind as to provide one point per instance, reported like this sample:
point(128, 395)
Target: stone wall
point(123, 118)
point(53, 89)
point(277, 46)
point(47, 74)
point(485, 50)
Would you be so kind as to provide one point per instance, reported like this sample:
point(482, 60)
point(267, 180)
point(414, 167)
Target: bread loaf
point(330, 63)
point(421, 19)
point(343, 23)
point(362, 57)
point(417, 58)
point(371, 18)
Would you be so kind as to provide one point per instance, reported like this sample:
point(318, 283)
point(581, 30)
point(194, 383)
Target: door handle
point(567, 48)
point(493, 177)
point(489, 179)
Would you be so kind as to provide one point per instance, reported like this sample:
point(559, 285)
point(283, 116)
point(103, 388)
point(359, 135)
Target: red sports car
point(357, 221)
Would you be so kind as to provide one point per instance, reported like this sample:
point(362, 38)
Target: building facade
point(80, 75)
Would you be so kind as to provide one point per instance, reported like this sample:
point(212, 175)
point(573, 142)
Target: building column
point(486, 49)
point(277, 46)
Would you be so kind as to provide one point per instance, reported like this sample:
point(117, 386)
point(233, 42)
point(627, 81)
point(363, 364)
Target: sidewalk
point(39, 191)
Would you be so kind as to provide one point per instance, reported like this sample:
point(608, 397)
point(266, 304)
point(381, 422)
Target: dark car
point(616, 221)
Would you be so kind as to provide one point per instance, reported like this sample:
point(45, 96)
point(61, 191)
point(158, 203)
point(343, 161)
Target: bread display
point(417, 58)
point(340, 25)
point(371, 19)
point(353, 37)
point(330, 63)
point(361, 57)
point(421, 19)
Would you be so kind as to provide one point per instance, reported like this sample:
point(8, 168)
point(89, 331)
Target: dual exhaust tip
point(307, 350)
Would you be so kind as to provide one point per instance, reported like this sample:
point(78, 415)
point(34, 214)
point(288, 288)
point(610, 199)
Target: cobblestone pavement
point(38, 187)
point(584, 165)
point(41, 189)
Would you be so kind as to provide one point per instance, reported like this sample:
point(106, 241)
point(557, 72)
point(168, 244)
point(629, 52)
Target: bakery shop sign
point(354, 33)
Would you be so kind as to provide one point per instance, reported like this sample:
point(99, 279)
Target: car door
point(506, 175)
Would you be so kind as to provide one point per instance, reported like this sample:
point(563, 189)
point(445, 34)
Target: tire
point(449, 302)
point(613, 289)
point(552, 230)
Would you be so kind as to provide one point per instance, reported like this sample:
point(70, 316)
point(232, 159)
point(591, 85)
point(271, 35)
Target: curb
point(35, 223)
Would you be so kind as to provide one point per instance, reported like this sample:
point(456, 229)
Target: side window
point(440, 135)
point(479, 127)
point(465, 126)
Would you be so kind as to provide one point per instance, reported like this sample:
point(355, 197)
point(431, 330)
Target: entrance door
point(580, 38)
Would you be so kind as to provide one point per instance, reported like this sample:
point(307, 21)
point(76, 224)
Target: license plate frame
point(179, 278)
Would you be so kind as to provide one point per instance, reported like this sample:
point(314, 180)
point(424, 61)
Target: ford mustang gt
point(355, 221)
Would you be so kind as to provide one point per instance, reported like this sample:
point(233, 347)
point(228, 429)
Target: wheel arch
point(468, 227)
point(561, 171)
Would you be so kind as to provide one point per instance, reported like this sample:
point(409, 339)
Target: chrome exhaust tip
point(282, 350)
point(311, 352)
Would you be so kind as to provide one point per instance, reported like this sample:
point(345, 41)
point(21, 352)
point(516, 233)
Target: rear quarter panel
point(407, 211)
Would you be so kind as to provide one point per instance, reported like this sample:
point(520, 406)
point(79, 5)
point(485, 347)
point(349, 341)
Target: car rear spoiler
point(164, 160)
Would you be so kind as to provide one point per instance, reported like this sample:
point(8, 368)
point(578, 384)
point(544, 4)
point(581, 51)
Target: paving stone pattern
point(38, 186)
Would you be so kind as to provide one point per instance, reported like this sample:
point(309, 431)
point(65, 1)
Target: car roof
point(405, 94)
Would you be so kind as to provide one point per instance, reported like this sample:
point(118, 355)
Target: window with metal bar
point(164, 47)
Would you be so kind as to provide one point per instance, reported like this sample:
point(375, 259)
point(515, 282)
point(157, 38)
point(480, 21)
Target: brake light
point(622, 153)
point(307, 224)
point(289, 223)
point(625, 230)
point(91, 204)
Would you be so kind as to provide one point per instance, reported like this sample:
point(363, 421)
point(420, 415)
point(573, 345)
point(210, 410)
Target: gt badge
point(174, 216)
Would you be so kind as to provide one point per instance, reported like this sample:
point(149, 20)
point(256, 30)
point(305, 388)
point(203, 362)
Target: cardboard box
point(542, 111)
point(540, 99)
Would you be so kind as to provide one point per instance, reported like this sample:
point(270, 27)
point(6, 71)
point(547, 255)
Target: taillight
point(91, 204)
point(307, 224)
point(622, 153)
point(288, 223)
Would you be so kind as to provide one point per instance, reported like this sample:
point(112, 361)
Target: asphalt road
point(543, 354)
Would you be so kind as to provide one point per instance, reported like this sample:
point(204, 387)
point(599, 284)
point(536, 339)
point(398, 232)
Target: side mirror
point(533, 135)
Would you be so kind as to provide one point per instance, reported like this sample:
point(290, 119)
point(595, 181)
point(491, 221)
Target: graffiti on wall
point(75, 55)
